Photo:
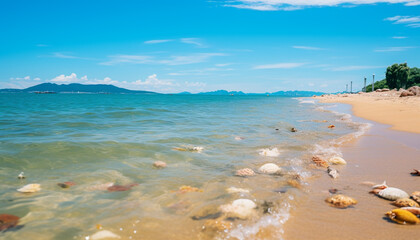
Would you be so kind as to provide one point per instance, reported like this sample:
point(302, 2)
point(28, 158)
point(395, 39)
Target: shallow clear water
point(97, 139)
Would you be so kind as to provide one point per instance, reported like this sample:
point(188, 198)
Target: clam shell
point(30, 188)
point(269, 168)
point(402, 216)
point(405, 202)
point(391, 193)
point(341, 201)
point(104, 234)
point(413, 210)
point(245, 172)
point(337, 161)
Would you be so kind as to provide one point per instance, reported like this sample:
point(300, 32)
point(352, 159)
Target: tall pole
point(373, 83)
point(351, 87)
point(365, 85)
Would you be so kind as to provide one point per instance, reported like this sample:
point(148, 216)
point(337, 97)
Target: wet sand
point(381, 154)
point(402, 113)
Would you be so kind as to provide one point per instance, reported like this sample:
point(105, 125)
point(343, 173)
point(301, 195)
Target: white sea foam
point(273, 152)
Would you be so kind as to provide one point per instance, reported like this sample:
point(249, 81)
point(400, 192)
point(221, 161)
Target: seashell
point(186, 189)
point(159, 164)
point(104, 234)
point(245, 172)
point(337, 161)
point(20, 176)
point(8, 221)
point(331, 126)
point(415, 172)
point(274, 152)
point(416, 196)
point(405, 202)
point(380, 186)
point(240, 208)
point(238, 138)
point(217, 225)
point(293, 129)
point(237, 190)
point(30, 188)
point(294, 183)
point(269, 168)
point(402, 216)
point(341, 201)
point(332, 172)
point(333, 190)
point(319, 162)
point(413, 210)
point(391, 193)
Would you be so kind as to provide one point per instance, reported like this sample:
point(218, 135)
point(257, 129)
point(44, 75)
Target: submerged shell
point(30, 188)
point(269, 168)
point(337, 161)
point(319, 162)
point(159, 164)
point(341, 201)
point(413, 210)
point(104, 234)
point(240, 208)
point(332, 172)
point(186, 189)
point(245, 172)
point(391, 193)
point(402, 216)
point(274, 152)
point(405, 202)
point(8, 221)
point(331, 126)
point(237, 190)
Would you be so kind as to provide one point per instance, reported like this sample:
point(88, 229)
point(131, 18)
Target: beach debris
point(341, 201)
point(392, 193)
point(196, 149)
point(100, 187)
point(273, 152)
point(245, 172)
point(413, 210)
point(217, 225)
point(319, 162)
point(405, 202)
point(333, 190)
point(187, 189)
point(337, 161)
point(293, 129)
point(104, 234)
point(8, 221)
point(331, 126)
point(240, 208)
point(402, 216)
point(20, 176)
point(159, 164)
point(269, 168)
point(238, 138)
point(416, 196)
point(121, 188)
point(30, 188)
point(237, 190)
point(332, 172)
point(415, 172)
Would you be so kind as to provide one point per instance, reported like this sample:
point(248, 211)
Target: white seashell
point(20, 176)
point(104, 234)
point(238, 138)
point(332, 172)
point(240, 208)
point(269, 168)
point(338, 161)
point(391, 193)
point(274, 152)
point(237, 190)
point(30, 188)
point(380, 186)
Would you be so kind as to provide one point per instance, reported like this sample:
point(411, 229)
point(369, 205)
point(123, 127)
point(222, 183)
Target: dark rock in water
point(277, 129)
point(333, 190)
point(121, 188)
point(63, 185)
point(293, 130)
point(267, 207)
point(8, 221)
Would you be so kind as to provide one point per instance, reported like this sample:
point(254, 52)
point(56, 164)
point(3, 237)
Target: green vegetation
point(398, 76)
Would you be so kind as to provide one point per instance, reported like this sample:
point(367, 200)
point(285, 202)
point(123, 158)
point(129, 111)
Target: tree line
point(398, 76)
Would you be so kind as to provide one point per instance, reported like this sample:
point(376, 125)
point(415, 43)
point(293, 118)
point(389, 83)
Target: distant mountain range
point(103, 88)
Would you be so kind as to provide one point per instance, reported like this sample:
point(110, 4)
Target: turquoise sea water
point(93, 140)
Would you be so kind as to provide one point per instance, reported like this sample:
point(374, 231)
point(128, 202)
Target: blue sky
point(202, 45)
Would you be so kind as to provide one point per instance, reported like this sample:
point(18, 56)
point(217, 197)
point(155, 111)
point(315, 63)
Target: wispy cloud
point(393, 49)
point(279, 66)
point(411, 21)
point(290, 5)
point(41, 45)
point(63, 55)
point(352, 68)
point(158, 41)
point(194, 41)
point(399, 37)
point(171, 60)
point(308, 48)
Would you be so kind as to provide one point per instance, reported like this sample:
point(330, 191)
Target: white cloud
point(193, 41)
point(62, 55)
point(352, 68)
point(279, 66)
point(158, 41)
point(172, 60)
point(37, 79)
point(399, 37)
point(27, 78)
point(307, 48)
point(152, 80)
point(411, 21)
point(289, 5)
point(393, 49)
point(66, 79)
point(223, 64)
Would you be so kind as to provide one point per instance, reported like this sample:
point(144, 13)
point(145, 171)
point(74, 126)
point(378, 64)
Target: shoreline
point(372, 157)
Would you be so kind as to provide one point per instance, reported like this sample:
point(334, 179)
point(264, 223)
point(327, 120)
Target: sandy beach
point(381, 154)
